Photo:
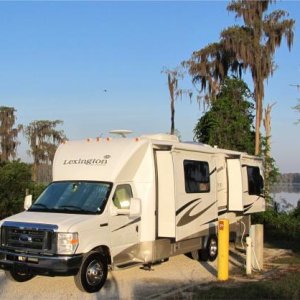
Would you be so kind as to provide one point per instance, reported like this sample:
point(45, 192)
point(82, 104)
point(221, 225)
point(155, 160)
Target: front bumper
point(40, 265)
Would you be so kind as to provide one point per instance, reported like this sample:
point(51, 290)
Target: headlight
point(67, 243)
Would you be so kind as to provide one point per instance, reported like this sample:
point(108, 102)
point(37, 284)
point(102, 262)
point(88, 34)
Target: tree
point(43, 139)
point(248, 47)
point(175, 92)
point(8, 134)
point(228, 123)
point(271, 171)
point(15, 178)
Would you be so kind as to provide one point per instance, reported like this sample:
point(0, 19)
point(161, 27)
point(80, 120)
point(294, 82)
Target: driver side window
point(122, 196)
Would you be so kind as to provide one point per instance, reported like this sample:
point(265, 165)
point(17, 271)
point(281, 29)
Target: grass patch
point(274, 240)
point(287, 287)
point(291, 259)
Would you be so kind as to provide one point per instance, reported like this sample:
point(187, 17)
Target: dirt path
point(171, 279)
point(179, 272)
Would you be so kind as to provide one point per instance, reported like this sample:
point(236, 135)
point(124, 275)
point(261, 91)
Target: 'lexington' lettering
point(89, 161)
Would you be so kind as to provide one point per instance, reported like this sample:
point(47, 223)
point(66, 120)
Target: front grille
point(22, 238)
point(27, 238)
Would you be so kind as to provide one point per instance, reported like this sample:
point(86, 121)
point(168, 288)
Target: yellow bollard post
point(223, 249)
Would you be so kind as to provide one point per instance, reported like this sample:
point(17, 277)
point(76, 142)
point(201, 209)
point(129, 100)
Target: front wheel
point(18, 276)
point(92, 273)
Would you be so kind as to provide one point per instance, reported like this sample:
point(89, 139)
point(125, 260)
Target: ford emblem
point(25, 238)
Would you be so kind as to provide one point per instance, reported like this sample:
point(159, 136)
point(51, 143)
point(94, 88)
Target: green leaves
point(247, 47)
point(43, 138)
point(8, 134)
point(15, 178)
point(228, 123)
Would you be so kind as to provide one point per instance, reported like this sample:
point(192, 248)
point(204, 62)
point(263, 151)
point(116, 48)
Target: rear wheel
point(210, 252)
point(92, 273)
point(18, 276)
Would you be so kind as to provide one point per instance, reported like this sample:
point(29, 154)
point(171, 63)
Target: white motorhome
point(120, 202)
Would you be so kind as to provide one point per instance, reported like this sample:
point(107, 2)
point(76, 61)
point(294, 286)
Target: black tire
point(18, 276)
point(210, 252)
point(92, 273)
point(195, 255)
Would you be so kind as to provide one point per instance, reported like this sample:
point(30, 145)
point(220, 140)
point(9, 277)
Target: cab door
point(124, 229)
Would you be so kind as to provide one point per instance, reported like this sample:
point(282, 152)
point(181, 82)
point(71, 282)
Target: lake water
point(287, 196)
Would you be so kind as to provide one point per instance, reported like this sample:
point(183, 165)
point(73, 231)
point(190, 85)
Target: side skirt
point(155, 251)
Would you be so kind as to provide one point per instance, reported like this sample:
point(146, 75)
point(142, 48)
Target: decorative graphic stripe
point(130, 223)
point(213, 171)
point(220, 213)
point(213, 220)
point(222, 207)
point(187, 218)
point(247, 207)
point(186, 205)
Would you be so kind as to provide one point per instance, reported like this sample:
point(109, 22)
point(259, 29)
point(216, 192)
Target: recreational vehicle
point(119, 202)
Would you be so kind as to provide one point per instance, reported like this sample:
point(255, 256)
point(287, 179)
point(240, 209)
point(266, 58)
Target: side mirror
point(27, 202)
point(135, 209)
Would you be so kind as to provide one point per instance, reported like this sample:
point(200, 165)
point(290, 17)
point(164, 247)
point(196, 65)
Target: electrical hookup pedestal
point(255, 249)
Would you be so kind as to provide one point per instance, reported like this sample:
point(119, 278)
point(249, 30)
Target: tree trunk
point(257, 131)
point(172, 116)
point(171, 84)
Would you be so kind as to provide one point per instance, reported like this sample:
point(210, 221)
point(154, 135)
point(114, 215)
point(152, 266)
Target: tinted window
point(196, 175)
point(255, 181)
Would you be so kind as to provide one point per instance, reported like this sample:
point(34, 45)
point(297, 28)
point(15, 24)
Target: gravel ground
point(165, 280)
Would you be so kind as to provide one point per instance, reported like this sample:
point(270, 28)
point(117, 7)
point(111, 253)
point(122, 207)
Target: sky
point(97, 66)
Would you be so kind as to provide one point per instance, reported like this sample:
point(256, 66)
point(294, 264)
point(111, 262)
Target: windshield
point(79, 197)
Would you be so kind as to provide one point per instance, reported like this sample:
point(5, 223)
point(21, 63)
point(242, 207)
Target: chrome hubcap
point(213, 248)
point(94, 273)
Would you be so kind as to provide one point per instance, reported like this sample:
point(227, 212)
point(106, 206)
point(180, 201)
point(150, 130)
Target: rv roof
point(161, 137)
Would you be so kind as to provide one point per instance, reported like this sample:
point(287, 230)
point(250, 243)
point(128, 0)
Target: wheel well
point(104, 250)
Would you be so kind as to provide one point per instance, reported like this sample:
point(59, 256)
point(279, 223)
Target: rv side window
point(196, 176)
point(255, 181)
point(122, 196)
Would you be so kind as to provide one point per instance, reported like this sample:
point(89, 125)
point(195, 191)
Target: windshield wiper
point(74, 208)
point(40, 204)
point(70, 206)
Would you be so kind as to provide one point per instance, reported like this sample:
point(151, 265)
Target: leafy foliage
point(248, 47)
point(8, 134)
point(15, 181)
point(271, 172)
point(280, 226)
point(15, 178)
point(44, 139)
point(228, 123)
